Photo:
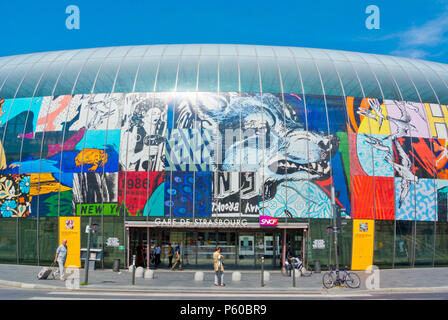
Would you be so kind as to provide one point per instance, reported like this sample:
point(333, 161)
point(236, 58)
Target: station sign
point(266, 221)
point(199, 222)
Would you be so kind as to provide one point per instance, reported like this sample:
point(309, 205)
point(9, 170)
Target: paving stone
point(250, 280)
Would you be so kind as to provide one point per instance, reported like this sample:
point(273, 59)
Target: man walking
point(170, 256)
point(218, 267)
point(158, 250)
point(61, 257)
point(177, 257)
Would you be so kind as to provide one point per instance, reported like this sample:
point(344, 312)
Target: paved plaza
point(423, 279)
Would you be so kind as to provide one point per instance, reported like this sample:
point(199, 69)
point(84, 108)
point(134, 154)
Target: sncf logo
point(268, 221)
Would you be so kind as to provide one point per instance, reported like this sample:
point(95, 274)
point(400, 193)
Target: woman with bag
point(218, 267)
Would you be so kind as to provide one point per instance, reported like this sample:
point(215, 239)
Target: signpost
point(90, 228)
point(86, 262)
point(335, 228)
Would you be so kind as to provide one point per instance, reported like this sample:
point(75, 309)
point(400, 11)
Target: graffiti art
point(15, 198)
point(225, 155)
point(143, 133)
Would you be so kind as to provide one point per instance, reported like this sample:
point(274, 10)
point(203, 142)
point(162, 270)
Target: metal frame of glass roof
point(222, 68)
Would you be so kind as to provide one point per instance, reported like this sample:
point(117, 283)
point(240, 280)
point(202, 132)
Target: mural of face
point(259, 133)
point(152, 117)
point(142, 134)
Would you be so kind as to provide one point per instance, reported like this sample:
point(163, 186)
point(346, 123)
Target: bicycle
point(340, 278)
point(296, 264)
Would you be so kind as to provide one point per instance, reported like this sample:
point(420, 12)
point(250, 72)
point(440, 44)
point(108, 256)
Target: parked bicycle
point(297, 264)
point(340, 278)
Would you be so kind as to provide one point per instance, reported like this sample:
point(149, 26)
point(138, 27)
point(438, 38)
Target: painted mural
point(143, 132)
point(223, 155)
point(15, 198)
point(235, 194)
point(141, 193)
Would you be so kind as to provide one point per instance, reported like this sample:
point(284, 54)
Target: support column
point(284, 247)
point(274, 248)
point(129, 248)
point(148, 241)
point(196, 249)
point(304, 237)
point(237, 249)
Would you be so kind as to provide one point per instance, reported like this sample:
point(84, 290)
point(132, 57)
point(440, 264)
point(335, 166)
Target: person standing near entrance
point(140, 258)
point(218, 267)
point(61, 257)
point(158, 249)
point(177, 257)
point(170, 256)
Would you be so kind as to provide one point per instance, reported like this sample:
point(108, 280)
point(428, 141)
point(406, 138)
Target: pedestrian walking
point(158, 250)
point(170, 256)
point(60, 258)
point(152, 255)
point(177, 257)
point(140, 257)
point(218, 267)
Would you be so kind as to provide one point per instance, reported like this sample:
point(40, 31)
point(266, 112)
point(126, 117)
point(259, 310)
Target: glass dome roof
point(223, 68)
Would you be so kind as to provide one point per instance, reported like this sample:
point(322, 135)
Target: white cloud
point(431, 33)
point(415, 41)
point(410, 53)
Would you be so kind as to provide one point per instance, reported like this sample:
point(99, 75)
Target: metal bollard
point(133, 269)
point(293, 276)
point(262, 271)
point(317, 266)
point(116, 267)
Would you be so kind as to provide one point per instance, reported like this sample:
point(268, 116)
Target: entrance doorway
point(295, 242)
point(241, 249)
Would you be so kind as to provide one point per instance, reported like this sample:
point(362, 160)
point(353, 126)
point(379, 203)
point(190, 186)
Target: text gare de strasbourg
point(201, 222)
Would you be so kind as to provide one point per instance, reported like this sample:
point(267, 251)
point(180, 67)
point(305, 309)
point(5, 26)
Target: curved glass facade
point(145, 133)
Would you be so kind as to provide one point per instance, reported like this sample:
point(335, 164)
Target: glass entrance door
point(206, 243)
point(246, 249)
point(271, 249)
point(227, 243)
point(294, 241)
point(240, 249)
point(189, 249)
point(137, 246)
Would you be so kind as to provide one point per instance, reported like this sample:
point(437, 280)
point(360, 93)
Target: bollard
point(116, 265)
point(266, 276)
point(262, 271)
point(139, 272)
point(293, 277)
point(133, 269)
point(317, 266)
point(236, 276)
point(199, 276)
point(149, 274)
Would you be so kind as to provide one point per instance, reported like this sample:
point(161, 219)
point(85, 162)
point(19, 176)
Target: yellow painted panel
point(362, 253)
point(70, 229)
point(372, 126)
point(45, 183)
point(2, 157)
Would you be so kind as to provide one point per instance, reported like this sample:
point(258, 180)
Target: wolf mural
point(261, 135)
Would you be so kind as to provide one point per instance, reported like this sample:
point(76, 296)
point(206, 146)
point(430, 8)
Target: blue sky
point(417, 29)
